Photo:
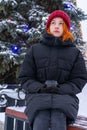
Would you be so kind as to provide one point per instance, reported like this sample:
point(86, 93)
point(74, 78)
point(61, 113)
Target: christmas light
point(71, 28)
point(25, 28)
point(15, 49)
point(68, 6)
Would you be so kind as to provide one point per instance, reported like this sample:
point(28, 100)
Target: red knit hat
point(61, 14)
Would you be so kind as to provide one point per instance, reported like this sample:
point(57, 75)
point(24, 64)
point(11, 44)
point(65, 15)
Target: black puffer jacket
point(53, 60)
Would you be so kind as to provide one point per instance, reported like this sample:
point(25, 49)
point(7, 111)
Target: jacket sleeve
point(78, 78)
point(27, 74)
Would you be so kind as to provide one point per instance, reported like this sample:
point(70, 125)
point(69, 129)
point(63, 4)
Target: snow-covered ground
point(2, 117)
point(83, 102)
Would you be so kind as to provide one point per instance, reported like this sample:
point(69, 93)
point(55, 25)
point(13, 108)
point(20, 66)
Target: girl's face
point(56, 27)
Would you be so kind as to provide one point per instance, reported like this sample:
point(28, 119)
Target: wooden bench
point(15, 118)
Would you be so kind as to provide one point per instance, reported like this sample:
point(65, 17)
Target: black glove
point(51, 86)
point(49, 90)
point(51, 83)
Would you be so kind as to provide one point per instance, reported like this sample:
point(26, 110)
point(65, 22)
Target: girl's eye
point(60, 23)
point(52, 22)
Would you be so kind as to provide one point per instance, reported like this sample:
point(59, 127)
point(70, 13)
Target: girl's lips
point(57, 31)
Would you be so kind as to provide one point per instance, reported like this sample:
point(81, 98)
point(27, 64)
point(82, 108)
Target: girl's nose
point(56, 26)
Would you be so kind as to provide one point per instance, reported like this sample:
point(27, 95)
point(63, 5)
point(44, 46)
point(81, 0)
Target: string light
point(68, 6)
point(25, 28)
point(15, 49)
point(71, 28)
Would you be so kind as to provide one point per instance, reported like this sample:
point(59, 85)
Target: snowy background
point(82, 4)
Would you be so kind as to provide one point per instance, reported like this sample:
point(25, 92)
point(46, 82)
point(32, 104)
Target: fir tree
point(22, 23)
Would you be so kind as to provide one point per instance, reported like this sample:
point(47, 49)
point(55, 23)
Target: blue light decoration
point(68, 6)
point(25, 28)
point(15, 49)
point(71, 28)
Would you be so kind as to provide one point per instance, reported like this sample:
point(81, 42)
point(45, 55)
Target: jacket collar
point(50, 40)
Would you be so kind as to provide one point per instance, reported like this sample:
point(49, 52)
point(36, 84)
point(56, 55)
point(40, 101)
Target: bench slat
point(15, 113)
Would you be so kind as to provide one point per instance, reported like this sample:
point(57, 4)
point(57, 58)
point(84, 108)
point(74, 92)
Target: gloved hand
point(51, 86)
point(51, 83)
point(51, 89)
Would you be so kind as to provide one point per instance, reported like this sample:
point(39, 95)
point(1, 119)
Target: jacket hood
point(50, 40)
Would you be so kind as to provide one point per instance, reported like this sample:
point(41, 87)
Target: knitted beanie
point(61, 14)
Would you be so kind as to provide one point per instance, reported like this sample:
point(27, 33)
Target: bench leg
point(9, 123)
point(21, 125)
point(27, 126)
point(18, 125)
